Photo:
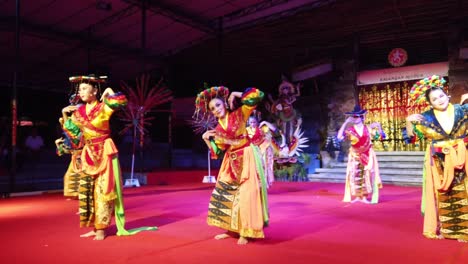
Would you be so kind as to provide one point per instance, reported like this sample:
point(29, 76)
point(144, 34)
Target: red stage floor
point(309, 224)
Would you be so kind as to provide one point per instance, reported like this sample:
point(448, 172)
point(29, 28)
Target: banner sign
point(407, 73)
point(308, 72)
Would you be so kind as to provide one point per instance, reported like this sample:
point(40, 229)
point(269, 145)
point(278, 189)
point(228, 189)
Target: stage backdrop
point(389, 105)
point(385, 95)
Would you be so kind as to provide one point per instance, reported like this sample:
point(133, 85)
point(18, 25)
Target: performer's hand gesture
point(209, 134)
point(348, 120)
point(415, 118)
point(108, 91)
point(464, 97)
point(409, 120)
point(232, 97)
point(59, 141)
point(69, 109)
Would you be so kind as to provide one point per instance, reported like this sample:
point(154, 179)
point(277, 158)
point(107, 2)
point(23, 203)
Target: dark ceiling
point(332, 32)
point(228, 41)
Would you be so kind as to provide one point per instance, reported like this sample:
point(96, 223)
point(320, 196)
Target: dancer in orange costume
point(239, 201)
point(88, 126)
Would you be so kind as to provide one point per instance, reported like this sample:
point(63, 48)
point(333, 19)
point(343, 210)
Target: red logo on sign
point(397, 57)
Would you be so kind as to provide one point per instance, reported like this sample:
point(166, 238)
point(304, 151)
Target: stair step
point(383, 171)
point(413, 181)
point(396, 167)
point(399, 153)
point(385, 165)
point(403, 159)
point(341, 176)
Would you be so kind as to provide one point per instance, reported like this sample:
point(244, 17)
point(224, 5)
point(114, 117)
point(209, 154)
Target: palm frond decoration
point(201, 125)
point(143, 100)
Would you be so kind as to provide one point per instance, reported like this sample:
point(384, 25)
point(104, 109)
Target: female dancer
point(100, 187)
point(262, 136)
point(238, 203)
point(71, 179)
point(445, 185)
point(362, 173)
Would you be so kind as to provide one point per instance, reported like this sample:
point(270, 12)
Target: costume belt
point(96, 140)
point(234, 154)
point(445, 148)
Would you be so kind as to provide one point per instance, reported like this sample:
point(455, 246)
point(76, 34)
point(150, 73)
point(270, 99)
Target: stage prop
point(209, 178)
point(199, 126)
point(142, 101)
point(290, 161)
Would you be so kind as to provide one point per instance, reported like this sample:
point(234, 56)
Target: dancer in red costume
point(362, 173)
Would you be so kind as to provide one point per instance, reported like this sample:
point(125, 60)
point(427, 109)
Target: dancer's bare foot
point(242, 241)
point(222, 236)
point(357, 199)
point(100, 235)
point(433, 236)
point(89, 234)
point(364, 200)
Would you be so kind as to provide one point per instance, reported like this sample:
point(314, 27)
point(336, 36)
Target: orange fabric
point(455, 158)
point(103, 168)
point(250, 206)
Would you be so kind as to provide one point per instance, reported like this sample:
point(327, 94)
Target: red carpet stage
point(309, 224)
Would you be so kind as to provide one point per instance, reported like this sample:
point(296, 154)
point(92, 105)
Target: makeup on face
point(87, 92)
point(217, 107)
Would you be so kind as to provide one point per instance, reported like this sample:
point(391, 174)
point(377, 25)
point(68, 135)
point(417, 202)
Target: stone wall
point(341, 97)
point(458, 68)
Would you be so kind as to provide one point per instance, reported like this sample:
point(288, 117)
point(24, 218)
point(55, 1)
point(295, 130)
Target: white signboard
point(311, 72)
point(399, 74)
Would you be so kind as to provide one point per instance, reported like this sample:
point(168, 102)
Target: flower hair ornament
point(202, 119)
point(204, 98)
point(417, 92)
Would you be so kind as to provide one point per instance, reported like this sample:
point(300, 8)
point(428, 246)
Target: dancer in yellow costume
point(262, 136)
point(71, 179)
point(238, 203)
point(88, 126)
point(445, 184)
